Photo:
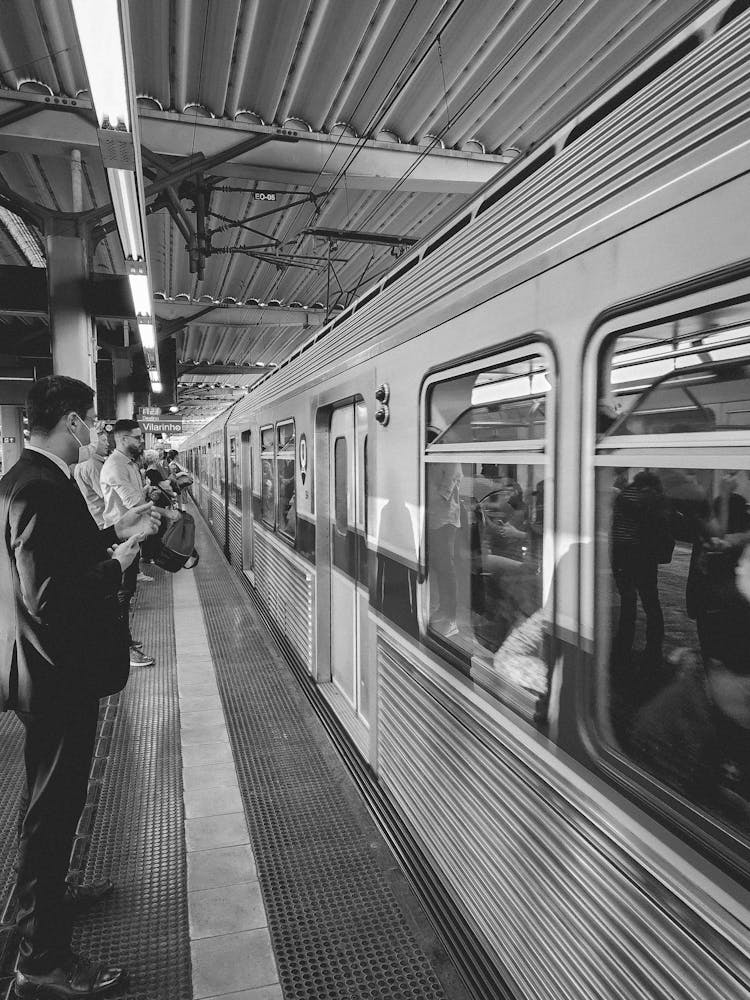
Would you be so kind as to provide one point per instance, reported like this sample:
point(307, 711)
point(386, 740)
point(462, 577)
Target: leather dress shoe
point(74, 979)
point(87, 893)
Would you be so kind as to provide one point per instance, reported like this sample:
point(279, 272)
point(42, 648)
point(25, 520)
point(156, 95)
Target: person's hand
point(142, 520)
point(126, 552)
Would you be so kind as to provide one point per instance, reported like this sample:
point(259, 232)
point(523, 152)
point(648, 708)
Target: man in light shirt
point(123, 489)
point(87, 476)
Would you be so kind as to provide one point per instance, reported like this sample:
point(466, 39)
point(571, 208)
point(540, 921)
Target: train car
point(498, 507)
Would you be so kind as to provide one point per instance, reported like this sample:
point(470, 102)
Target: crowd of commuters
point(68, 572)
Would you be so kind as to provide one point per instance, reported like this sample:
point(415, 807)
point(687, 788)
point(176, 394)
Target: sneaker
point(136, 644)
point(142, 578)
point(139, 659)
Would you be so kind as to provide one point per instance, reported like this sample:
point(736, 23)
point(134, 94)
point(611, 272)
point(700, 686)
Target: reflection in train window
point(673, 557)
point(285, 466)
point(267, 476)
point(485, 474)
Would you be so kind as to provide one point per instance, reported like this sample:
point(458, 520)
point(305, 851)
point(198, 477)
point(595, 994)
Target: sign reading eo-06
point(302, 455)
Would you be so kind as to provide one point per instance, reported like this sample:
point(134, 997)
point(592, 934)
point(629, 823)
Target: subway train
point(497, 509)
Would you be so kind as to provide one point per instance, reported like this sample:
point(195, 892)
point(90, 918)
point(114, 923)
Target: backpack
point(177, 545)
point(182, 479)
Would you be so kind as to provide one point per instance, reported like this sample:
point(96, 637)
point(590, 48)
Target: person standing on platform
point(87, 475)
point(63, 646)
point(123, 489)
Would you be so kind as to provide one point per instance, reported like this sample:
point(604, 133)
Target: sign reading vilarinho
point(162, 426)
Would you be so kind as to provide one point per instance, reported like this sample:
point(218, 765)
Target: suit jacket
point(62, 639)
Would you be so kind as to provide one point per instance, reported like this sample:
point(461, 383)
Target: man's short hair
point(52, 397)
point(125, 426)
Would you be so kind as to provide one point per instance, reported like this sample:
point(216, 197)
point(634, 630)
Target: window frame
point(277, 428)
point(532, 452)
point(264, 454)
point(699, 450)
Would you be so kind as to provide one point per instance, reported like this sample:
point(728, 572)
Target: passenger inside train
point(674, 562)
point(485, 523)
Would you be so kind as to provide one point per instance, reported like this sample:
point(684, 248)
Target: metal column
point(11, 429)
point(71, 326)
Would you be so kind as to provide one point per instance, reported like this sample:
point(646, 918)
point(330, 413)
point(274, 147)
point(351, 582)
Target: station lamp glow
point(100, 35)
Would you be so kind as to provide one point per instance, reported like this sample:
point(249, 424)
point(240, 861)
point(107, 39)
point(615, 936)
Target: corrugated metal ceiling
point(402, 108)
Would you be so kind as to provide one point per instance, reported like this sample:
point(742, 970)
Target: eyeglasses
point(136, 437)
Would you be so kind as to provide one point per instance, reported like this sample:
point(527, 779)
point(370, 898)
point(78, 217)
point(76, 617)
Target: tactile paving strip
point(137, 838)
point(337, 929)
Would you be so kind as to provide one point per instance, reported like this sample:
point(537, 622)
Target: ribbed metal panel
point(287, 590)
point(700, 98)
point(565, 919)
point(235, 537)
point(217, 518)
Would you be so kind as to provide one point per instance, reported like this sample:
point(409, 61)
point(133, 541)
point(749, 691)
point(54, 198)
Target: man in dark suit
point(63, 646)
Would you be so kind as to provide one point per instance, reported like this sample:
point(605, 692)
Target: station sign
point(162, 426)
point(149, 411)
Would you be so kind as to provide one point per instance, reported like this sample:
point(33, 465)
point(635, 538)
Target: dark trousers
point(636, 576)
point(127, 591)
point(443, 569)
point(57, 752)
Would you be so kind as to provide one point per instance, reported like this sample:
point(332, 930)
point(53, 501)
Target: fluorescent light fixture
point(148, 337)
point(100, 34)
point(156, 387)
point(127, 211)
point(141, 293)
point(153, 374)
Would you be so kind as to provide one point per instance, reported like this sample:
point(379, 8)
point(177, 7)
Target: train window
point(672, 556)
point(485, 474)
point(219, 480)
point(235, 480)
point(267, 477)
point(285, 455)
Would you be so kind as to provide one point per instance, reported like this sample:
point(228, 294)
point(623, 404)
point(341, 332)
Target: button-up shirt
point(122, 487)
point(87, 475)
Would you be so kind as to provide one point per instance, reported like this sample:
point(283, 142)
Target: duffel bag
point(177, 545)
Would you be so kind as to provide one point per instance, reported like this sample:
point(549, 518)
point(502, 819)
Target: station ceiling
point(375, 118)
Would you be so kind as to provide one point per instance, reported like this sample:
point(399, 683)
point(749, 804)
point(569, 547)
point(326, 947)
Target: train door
point(248, 524)
point(348, 535)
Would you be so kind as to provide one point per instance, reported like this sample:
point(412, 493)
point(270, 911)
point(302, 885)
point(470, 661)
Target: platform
point(245, 862)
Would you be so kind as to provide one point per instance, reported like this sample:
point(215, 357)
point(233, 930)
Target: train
point(428, 499)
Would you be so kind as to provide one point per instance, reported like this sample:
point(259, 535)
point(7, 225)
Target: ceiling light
point(141, 293)
point(100, 34)
point(127, 212)
point(156, 387)
point(148, 337)
point(174, 409)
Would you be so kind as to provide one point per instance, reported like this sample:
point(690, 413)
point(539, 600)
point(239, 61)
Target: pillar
point(11, 427)
point(124, 396)
point(71, 326)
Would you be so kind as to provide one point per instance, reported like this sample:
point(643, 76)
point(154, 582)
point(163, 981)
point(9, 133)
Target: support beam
point(237, 316)
point(71, 325)
point(315, 158)
point(207, 369)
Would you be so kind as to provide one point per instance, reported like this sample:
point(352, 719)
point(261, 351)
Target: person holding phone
point(63, 646)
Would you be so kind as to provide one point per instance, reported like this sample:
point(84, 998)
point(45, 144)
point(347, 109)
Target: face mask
point(85, 451)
